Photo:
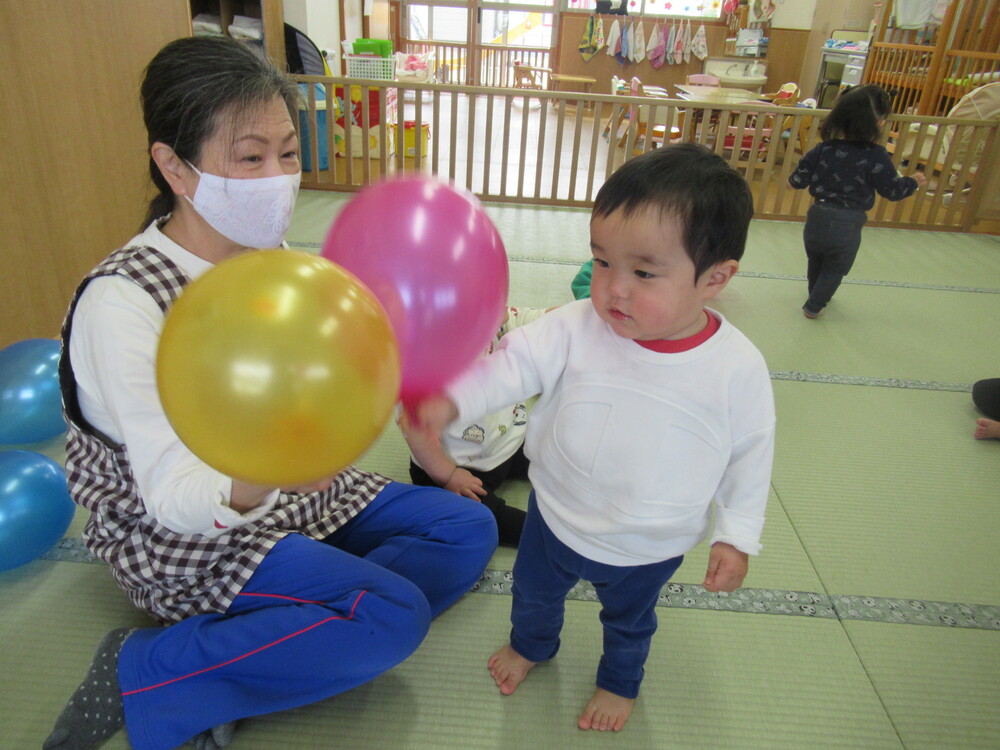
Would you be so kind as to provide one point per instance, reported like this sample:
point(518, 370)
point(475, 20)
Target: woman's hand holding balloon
point(245, 496)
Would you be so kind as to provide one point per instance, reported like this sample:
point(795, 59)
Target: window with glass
point(706, 9)
point(519, 24)
point(439, 23)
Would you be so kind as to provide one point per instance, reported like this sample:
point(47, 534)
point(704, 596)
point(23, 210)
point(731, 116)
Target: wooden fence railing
point(556, 148)
point(495, 62)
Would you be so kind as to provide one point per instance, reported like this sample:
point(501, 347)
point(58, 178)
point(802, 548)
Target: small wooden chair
point(527, 77)
point(786, 96)
point(639, 115)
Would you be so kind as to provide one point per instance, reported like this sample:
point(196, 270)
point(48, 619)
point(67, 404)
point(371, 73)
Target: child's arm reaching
point(425, 445)
point(727, 567)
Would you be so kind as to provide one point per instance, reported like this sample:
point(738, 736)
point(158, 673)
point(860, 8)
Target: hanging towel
point(651, 46)
point(679, 44)
point(730, 6)
point(671, 41)
point(687, 42)
point(631, 42)
point(599, 33)
point(699, 44)
point(913, 14)
point(614, 39)
point(623, 52)
point(640, 43)
point(586, 44)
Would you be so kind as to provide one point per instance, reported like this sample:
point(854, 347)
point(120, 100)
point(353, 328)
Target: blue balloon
point(35, 506)
point(30, 400)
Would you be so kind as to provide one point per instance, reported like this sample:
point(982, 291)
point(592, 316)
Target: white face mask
point(252, 213)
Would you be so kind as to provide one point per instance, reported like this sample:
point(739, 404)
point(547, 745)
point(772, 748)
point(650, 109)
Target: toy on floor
point(278, 368)
point(30, 404)
point(434, 259)
point(35, 506)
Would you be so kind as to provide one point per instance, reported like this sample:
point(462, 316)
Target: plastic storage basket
point(363, 66)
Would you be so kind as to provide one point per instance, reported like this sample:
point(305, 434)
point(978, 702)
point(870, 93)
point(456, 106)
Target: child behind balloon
point(474, 459)
point(843, 173)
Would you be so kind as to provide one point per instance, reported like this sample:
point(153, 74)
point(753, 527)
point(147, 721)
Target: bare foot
point(986, 429)
point(606, 712)
point(509, 668)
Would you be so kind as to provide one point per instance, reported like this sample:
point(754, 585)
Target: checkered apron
point(169, 575)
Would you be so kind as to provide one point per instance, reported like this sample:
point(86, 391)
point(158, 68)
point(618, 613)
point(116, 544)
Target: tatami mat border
point(794, 603)
point(820, 377)
point(746, 600)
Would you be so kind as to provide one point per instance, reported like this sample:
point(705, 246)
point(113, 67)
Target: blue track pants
point(544, 572)
point(315, 619)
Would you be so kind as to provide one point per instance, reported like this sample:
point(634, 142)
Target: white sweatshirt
point(628, 446)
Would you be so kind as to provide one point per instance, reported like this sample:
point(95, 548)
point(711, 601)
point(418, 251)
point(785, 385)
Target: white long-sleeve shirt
point(629, 447)
point(116, 329)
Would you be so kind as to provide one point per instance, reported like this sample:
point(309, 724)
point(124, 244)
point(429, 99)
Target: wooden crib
point(929, 69)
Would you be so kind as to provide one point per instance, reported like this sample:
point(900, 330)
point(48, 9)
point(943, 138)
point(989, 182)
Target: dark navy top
point(848, 174)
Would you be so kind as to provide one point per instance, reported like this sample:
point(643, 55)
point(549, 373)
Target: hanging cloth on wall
point(631, 42)
point(699, 44)
point(687, 42)
point(639, 53)
point(614, 39)
point(679, 44)
point(913, 14)
point(656, 48)
point(671, 43)
point(623, 53)
point(730, 6)
point(586, 45)
point(599, 33)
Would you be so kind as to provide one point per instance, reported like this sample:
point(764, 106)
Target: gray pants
point(832, 236)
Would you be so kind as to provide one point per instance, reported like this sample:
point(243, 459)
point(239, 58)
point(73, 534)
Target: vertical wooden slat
point(523, 149)
point(505, 152)
point(557, 151)
point(540, 155)
point(488, 145)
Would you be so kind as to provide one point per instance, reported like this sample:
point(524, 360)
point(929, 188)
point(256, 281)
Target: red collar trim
point(676, 346)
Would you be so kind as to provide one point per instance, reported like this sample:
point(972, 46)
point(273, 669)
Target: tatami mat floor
point(871, 619)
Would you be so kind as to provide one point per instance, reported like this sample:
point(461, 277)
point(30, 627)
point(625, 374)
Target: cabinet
point(270, 12)
point(837, 68)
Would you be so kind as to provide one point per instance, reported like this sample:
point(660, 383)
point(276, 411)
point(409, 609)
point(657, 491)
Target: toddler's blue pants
point(546, 569)
point(315, 619)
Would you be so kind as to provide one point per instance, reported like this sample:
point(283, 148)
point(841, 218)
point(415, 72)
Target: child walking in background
point(474, 459)
point(650, 407)
point(843, 173)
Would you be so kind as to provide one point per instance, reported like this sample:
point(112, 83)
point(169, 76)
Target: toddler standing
point(652, 409)
point(843, 173)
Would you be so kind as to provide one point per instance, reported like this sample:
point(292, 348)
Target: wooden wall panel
point(786, 51)
point(73, 172)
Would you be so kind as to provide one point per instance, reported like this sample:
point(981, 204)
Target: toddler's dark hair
point(856, 115)
point(711, 199)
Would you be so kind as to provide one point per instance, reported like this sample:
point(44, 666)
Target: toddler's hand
point(727, 567)
point(463, 482)
point(921, 179)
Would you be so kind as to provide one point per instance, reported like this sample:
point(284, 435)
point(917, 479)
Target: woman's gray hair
point(194, 84)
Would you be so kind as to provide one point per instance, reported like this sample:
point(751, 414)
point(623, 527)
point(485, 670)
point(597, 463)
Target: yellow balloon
point(277, 367)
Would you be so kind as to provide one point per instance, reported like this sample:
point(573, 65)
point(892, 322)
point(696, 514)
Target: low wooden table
point(716, 94)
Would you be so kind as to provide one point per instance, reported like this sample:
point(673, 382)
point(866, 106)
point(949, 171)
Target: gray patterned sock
point(215, 738)
point(95, 712)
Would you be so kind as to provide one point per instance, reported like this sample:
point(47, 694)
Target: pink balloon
point(436, 262)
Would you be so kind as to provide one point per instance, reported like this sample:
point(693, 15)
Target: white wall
point(317, 19)
point(794, 14)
